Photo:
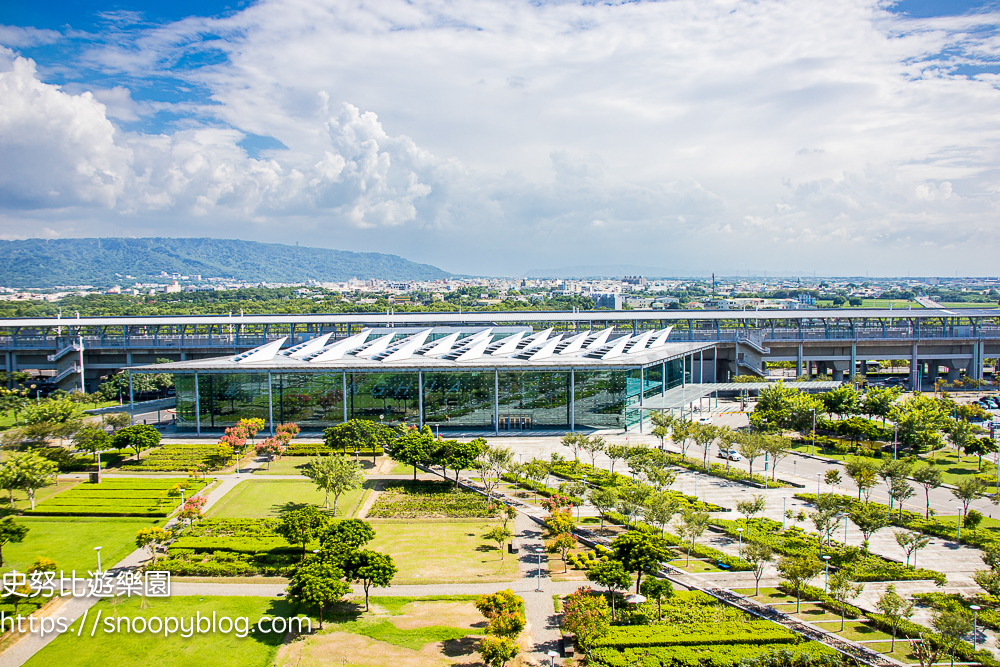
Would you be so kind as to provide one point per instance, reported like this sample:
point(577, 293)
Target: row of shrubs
point(321, 449)
point(135, 498)
point(734, 563)
point(177, 456)
point(691, 634)
point(540, 489)
point(192, 563)
point(412, 499)
point(709, 656)
point(794, 541)
point(981, 539)
point(601, 554)
point(719, 470)
point(906, 629)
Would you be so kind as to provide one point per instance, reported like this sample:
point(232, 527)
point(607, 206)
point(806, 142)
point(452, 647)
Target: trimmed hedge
point(320, 449)
point(540, 489)
point(176, 456)
point(410, 500)
point(707, 634)
point(719, 470)
point(734, 563)
point(695, 656)
point(906, 629)
point(113, 497)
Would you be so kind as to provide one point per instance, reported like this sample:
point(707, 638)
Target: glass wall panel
point(534, 400)
point(308, 399)
point(653, 381)
point(184, 390)
point(633, 387)
point(461, 398)
point(599, 398)
point(675, 373)
point(226, 398)
point(394, 395)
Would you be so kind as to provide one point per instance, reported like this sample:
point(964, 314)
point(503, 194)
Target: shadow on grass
point(455, 648)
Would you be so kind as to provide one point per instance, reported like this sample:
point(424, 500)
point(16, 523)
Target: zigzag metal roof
point(479, 348)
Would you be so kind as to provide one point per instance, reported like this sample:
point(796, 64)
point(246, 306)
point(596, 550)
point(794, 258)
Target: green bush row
point(318, 449)
point(719, 470)
point(709, 634)
point(406, 500)
point(733, 563)
point(692, 656)
point(540, 489)
point(907, 629)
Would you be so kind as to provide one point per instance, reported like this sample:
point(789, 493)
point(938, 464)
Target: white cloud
point(512, 134)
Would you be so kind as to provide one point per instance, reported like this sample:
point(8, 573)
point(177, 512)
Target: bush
point(176, 456)
point(408, 499)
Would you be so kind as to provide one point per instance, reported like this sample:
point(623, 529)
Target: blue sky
point(490, 136)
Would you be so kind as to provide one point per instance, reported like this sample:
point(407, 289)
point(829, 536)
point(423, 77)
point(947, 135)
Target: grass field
point(406, 631)
point(260, 499)
point(442, 552)
point(71, 541)
point(289, 465)
point(124, 649)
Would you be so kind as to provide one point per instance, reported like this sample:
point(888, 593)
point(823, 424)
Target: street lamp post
point(740, 531)
point(538, 586)
point(895, 433)
point(975, 618)
point(814, 432)
point(552, 658)
point(818, 476)
point(783, 511)
point(826, 582)
point(98, 550)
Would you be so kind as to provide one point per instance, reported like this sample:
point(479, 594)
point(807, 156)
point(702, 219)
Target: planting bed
point(426, 499)
point(171, 457)
point(118, 497)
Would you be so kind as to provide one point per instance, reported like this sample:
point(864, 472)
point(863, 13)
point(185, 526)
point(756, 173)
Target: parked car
point(730, 454)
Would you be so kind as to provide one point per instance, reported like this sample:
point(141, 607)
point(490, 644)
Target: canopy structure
point(429, 349)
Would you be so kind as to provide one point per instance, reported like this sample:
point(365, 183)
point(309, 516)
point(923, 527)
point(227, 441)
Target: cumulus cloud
point(498, 136)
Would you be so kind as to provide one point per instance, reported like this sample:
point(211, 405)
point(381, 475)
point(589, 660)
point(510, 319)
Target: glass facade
point(599, 398)
point(461, 399)
point(534, 399)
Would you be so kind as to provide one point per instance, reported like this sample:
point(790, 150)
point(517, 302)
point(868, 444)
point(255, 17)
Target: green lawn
point(853, 630)
point(442, 552)
point(403, 469)
point(260, 499)
point(695, 566)
point(124, 649)
point(71, 541)
point(289, 465)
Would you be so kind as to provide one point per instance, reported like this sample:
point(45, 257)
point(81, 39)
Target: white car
point(730, 454)
point(704, 420)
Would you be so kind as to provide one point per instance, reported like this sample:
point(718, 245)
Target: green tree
point(500, 535)
point(660, 509)
point(751, 507)
point(138, 437)
point(370, 568)
point(929, 477)
point(91, 439)
point(878, 401)
point(460, 456)
point(869, 519)
point(604, 500)
point(911, 543)
point(693, 524)
point(844, 400)
point(336, 475)
point(798, 571)
point(593, 446)
point(777, 447)
point(657, 590)
point(497, 651)
point(758, 555)
point(352, 533)
point(953, 625)
point(617, 453)
point(704, 435)
point(27, 471)
point(358, 435)
point(843, 589)
point(152, 539)
point(919, 421)
point(640, 552)
point(864, 473)
point(895, 609)
point(10, 532)
point(832, 477)
point(415, 447)
point(968, 490)
point(750, 446)
point(301, 526)
point(317, 583)
point(573, 441)
point(117, 420)
point(612, 575)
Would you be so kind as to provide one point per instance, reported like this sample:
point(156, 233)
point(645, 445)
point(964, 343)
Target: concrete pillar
point(420, 399)
point(913, 367)
point(197, 407)
point(572, 398)
point(270, 405)
point(800, 367)
point(854, 356)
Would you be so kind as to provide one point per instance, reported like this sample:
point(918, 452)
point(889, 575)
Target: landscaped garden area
point(173, 457)
point(120, 497)
point(260, 499)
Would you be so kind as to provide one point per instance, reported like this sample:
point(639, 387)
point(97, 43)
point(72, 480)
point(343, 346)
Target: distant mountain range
point(105, 262)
